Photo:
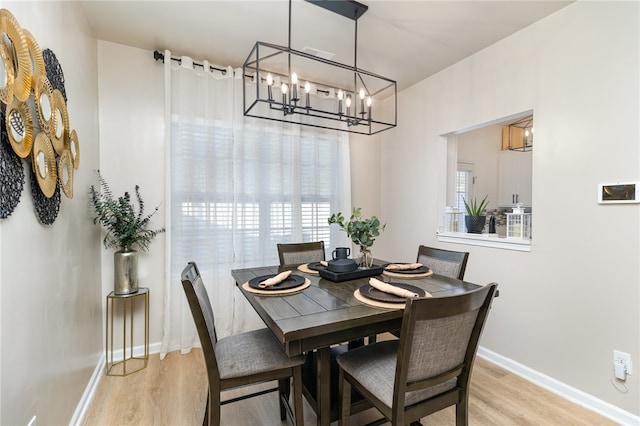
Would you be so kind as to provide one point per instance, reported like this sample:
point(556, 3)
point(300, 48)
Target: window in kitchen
point(464, 184)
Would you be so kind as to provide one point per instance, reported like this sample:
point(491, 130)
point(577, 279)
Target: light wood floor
point(173, 392)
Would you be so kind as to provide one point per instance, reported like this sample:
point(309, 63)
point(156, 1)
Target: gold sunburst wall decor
point(36, 120)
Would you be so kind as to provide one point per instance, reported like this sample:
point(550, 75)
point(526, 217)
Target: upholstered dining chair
point(428, 368)
point(298, 253)
point(443, 262)
point(241, 359)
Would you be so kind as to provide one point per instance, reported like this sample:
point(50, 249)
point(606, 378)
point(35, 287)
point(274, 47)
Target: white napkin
point(403, 267)
point(275, 280)
point(388, 288)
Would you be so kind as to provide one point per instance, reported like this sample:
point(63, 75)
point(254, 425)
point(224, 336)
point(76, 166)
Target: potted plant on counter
point(363, 232)
point(126, 229)
point(475, 218)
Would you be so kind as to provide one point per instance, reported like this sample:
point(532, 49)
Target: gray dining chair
point(444, 262)
point(291, 254)
point(428, 368)
point(241, 359)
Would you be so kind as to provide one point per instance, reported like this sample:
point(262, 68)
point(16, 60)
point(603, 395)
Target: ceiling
point(406, 41)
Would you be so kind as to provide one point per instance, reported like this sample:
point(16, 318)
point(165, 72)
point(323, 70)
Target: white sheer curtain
point(236, 187)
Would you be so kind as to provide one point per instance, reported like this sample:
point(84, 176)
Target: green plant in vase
point(362, 231)
point(475, 218)
point(126, 228)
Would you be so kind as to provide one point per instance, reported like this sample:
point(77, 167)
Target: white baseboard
point(89, 392)
point(98, 374)
point(572, 394)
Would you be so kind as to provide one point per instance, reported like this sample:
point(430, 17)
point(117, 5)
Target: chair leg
point(344, 396)
point(297, 395)
point(283, 395)
point(462, 412)
point(207, 407)
point(212, 410)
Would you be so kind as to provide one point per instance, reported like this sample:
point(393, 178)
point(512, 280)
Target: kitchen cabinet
point(514, 178)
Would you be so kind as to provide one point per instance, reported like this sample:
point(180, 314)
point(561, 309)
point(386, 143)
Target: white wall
point(575, 297)
point(481, 148)
point(132, 152)
point(364, 153)
point(50, 294)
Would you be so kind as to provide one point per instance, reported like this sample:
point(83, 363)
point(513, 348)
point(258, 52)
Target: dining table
point(325, 315)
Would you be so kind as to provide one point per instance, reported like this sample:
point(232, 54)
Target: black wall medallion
point(11, 173)
point(46, 208)
point(54, 71)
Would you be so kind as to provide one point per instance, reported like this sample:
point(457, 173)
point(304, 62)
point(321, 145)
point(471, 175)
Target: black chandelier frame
point(357, 116)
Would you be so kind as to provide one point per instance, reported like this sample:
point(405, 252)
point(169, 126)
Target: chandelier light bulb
point(284, 88)
point(269, 86)
point(307, 89)
point(340, 95)
point(348, 102)
point(294, 78)
point(361, 93)
point(369, 101)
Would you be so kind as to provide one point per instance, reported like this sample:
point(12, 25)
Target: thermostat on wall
point(622, 192)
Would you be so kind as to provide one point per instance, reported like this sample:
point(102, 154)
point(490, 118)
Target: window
point(464, 184)
point(247, 194)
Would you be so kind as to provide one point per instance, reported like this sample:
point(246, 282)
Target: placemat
point(408, 276)
point(305, 268)
point(375, 303)
point(250, 289)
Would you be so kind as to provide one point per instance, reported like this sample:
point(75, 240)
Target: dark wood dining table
point(326, 314)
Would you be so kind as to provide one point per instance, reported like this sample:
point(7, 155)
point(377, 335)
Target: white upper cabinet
point(514, 178)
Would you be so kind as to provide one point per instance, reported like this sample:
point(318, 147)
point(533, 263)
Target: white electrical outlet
point(622, 364)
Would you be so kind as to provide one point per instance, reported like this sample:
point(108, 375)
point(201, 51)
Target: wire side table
point(129, 363)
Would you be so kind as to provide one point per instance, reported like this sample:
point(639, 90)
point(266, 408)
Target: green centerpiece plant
point(126, 229)
point(475, 218)
point(362, 231)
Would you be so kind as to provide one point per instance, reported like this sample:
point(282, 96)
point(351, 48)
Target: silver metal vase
point(125, 272)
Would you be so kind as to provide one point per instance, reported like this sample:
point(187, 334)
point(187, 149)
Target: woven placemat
point(250, 289)
point(305, 268)
point(408, 276)
point(375, 303)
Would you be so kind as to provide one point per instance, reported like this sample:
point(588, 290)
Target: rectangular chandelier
point(287, 85)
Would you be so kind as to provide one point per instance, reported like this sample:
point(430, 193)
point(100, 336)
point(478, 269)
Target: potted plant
point(475, 218)
point(126, 230)
point(363, 232)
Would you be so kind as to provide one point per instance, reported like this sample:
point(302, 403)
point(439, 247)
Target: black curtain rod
point(159, 56)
